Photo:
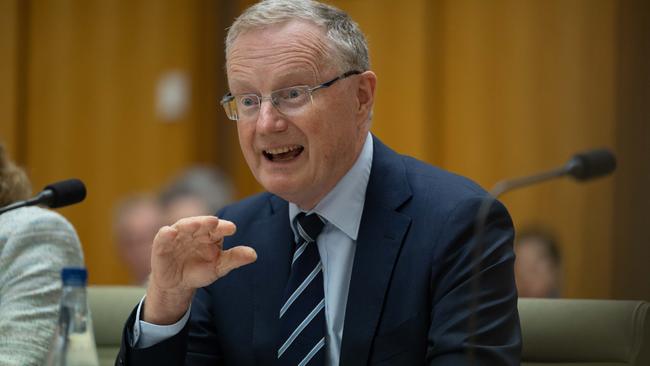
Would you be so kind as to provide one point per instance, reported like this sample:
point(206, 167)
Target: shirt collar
point(343, 205)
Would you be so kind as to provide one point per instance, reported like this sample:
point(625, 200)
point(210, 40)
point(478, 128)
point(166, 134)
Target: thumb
point(234, 258)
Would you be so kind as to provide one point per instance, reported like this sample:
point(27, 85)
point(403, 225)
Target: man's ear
point(366, 95)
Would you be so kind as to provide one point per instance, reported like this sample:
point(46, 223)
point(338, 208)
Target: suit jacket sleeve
point(195, 345)
point(474, 317)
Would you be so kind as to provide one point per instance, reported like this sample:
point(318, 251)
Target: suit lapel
point(380, 239)
point(273, 239)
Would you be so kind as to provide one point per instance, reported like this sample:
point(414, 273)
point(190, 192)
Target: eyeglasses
point(288, 101)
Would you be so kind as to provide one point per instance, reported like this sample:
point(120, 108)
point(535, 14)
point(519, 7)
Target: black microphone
point(591, 164)
point(582, 167)
point(55, 195)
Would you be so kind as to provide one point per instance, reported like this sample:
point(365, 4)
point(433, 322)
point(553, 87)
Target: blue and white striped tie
point(303, 311)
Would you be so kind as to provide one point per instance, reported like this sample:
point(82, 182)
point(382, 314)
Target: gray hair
point(210, 185)
point(344, 35)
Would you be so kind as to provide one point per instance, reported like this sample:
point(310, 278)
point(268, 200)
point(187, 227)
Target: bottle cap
point(74, 276)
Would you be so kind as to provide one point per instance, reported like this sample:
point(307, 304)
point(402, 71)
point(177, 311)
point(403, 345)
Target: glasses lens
point(247, 105)
point(230, 107)
point(290, 100)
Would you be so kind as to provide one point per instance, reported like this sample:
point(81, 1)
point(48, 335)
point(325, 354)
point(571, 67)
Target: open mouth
point(284, 153)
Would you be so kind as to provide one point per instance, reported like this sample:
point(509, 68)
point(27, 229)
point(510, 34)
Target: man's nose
point(269, 119)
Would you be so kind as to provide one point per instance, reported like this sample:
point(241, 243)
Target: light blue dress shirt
point(342, 208)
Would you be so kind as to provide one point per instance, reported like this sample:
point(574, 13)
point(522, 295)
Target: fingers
point(234, 258)
point(166, 233)
point(164, 237)
point(189, 253)
point(196, 225)
point(225, 228)
point(204, 229)
point(192, 234)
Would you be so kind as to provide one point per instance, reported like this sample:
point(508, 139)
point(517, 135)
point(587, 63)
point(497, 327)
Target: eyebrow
point(281, 80)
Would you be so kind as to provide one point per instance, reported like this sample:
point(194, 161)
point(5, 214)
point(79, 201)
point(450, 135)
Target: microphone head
point(591, 164)
point(65, 192)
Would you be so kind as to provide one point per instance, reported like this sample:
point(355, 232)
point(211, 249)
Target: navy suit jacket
point(410, 298)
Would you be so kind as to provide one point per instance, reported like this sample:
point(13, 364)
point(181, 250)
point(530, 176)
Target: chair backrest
point(585, 332)
point(560, 332)
point(110, 306)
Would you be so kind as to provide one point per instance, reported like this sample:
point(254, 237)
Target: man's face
point(299, 158)
point(136, 230)
point(535, 272)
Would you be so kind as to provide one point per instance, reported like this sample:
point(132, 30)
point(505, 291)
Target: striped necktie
point(303, 311)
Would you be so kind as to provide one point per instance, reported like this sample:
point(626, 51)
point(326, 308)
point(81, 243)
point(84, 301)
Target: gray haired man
point(355, 254)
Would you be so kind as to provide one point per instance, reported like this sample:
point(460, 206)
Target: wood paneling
point(527, 84)
point(498, 89)
point(398, 39)
point(10, 51)
point(92, 82)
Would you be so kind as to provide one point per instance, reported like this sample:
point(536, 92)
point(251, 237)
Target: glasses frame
point(233, 115)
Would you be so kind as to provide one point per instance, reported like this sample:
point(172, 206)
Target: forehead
point(285, 49)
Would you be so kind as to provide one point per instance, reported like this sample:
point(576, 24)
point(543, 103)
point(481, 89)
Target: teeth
point(281, 150)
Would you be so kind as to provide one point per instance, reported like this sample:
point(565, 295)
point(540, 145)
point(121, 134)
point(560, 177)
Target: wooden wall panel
point(10, 51)
point(501, 89)
point(526, 85)
point(93, 75)
point(398, 36)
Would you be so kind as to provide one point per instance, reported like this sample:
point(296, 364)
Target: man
point(199, 190)
point(135, 223)
point(538, 269)
point(387, 281)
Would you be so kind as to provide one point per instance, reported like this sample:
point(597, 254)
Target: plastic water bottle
point(74, 343)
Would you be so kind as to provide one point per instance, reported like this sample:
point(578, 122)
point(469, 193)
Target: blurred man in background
point(538, 268)
point(136, 221)
point(196, 191)
point(200, 190)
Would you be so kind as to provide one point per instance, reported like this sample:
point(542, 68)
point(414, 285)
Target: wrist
point(165, 306)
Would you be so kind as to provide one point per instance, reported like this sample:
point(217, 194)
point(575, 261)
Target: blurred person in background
point(35, 244)
point(199, 190)
point(137, 219)
point(538, 270)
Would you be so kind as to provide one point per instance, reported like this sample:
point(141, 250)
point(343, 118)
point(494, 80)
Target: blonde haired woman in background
point(35, 244)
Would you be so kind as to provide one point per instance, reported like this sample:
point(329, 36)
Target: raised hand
point(185, 256)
